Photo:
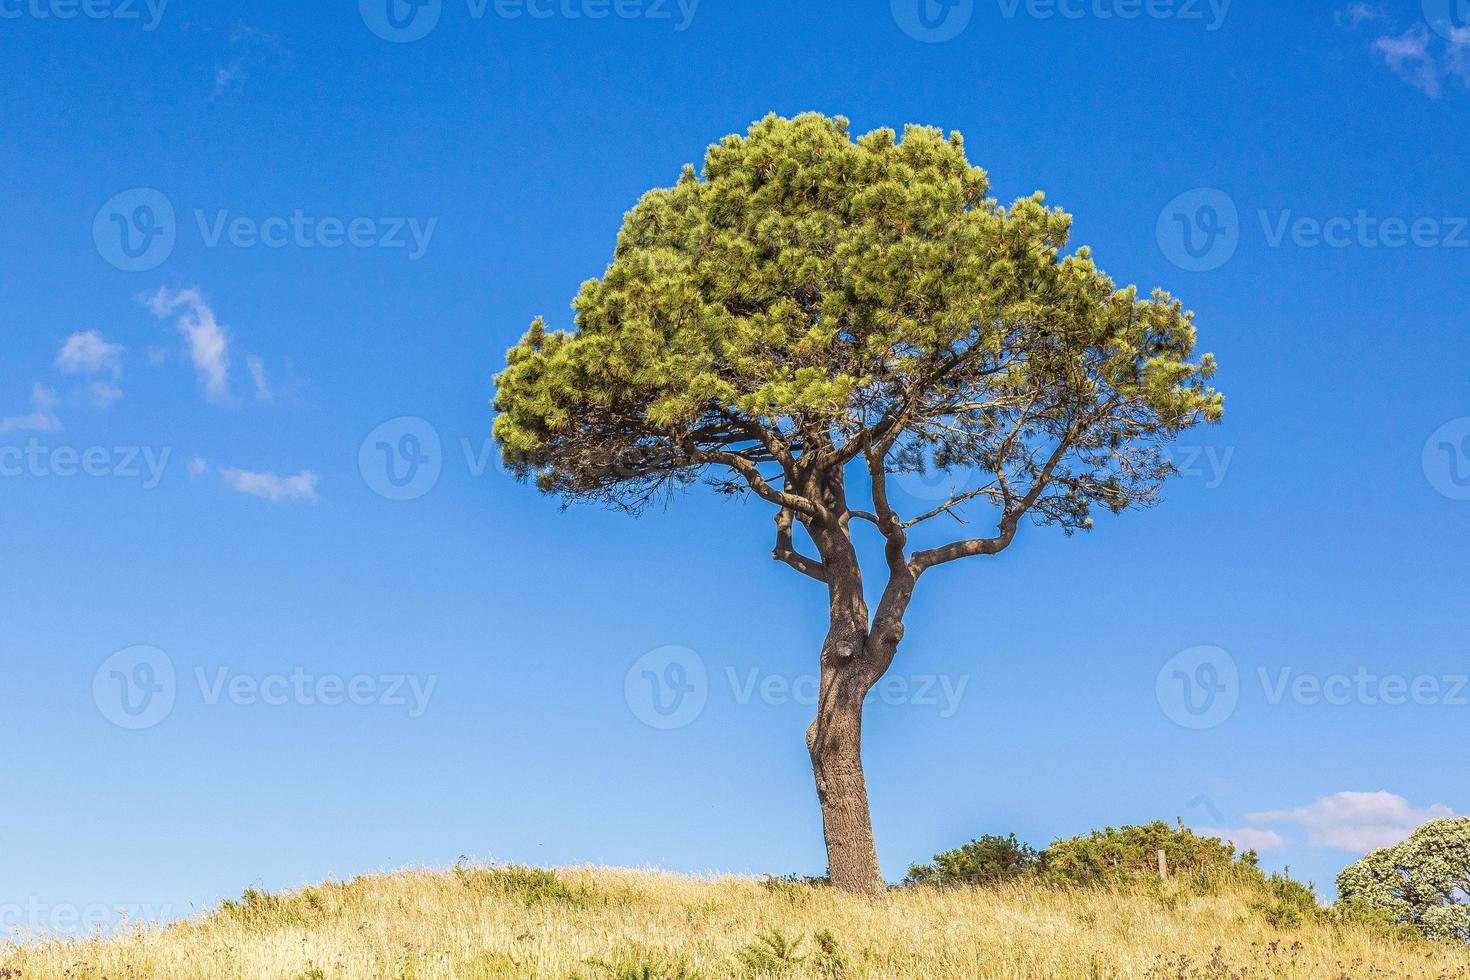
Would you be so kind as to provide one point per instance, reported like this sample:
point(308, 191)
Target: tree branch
point(786, 552)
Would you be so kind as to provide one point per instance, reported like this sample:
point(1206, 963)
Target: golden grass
point(477, 923)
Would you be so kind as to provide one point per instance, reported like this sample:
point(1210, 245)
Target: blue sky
point(240, 650)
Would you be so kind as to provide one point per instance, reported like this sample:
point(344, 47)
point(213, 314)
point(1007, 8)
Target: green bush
point(1125, 854)
point(985, 861)
point(1287, 903)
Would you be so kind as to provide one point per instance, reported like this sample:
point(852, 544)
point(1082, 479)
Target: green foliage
point(533, 886)
point(771, 953)
point(1287, 903)
point(259, 910)
point(1130, 853)
point(813, 290)
point(1111, 856)
point(642, 969)
point(1422, 882)
point(985, 861)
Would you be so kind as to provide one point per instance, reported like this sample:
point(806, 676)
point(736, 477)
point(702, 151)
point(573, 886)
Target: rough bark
point(856, 654)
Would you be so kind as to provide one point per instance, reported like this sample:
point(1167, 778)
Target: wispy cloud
point(103, 394)
point(262, 383)
point(209, 342)
point(300, 488)
point(1359, 13)
point(42, 417)
point(88, 353)
point(1427, 56)
point(251, 46)
point(1357, 822)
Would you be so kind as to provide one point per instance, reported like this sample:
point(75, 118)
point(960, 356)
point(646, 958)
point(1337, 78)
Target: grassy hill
point(521, 922)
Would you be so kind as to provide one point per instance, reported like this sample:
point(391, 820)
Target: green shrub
point(771, 953)
point(259, 910)
point(643, 969)
point(1287, 903)
point(1126, 854)
point(533, 886)
point(985, 861)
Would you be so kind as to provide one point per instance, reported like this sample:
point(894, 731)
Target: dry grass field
point(519, 922)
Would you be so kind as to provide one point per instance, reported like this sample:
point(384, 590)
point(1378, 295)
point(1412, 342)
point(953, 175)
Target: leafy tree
point(985, 861)
point(1423, 882)
point(813, 314)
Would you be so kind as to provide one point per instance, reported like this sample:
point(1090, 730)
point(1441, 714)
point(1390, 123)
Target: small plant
point(1287, 903)
point(533, 886)
point(648, 969)
point(771, 953)
point(828, 959)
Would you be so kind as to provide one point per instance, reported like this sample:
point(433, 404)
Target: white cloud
point(1359, 13)
point(209, 343)
point(276, 489)
point(1408, 56)
point(197, 466)
point(1246, 838)
point(1357, 822)
point(1424, 58)
point(43, 414)
point(103, 394)
point(88, 353)
point(258, 376)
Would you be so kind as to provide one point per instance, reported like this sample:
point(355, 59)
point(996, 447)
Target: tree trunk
point(835, 743)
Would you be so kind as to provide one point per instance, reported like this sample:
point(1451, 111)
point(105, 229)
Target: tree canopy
point(1423, 882)
point(811, 299)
